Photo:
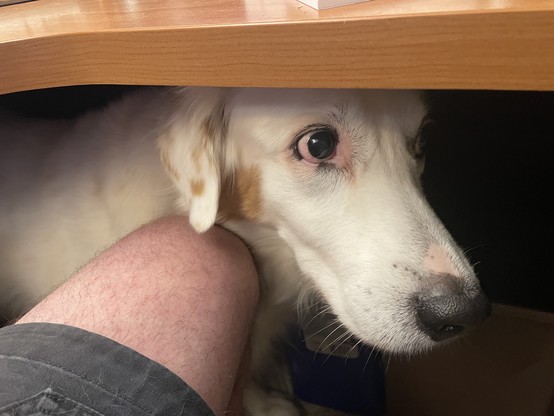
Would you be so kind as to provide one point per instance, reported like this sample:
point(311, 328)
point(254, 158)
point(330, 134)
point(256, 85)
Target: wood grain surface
point(433, 44)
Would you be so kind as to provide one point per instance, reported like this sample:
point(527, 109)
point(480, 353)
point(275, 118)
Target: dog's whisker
point(319, 313)
point(321, 330)
point(355, 346)
point(389, 357)
point(328, 335)
point(309, 306)
point(312, 319)
point(368, 359)
point(308, 299)
point(343, 339)
point(337, 342)
point(470, 249)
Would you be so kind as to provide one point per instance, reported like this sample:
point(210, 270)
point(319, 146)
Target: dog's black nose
point(443, 316)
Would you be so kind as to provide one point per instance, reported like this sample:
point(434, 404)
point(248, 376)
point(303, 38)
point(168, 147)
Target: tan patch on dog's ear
point(241, 196)
point(197, 187)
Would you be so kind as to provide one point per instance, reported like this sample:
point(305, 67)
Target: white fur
point(357, 236)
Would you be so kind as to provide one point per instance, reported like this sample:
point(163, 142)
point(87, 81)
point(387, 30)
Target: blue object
point(345, 376)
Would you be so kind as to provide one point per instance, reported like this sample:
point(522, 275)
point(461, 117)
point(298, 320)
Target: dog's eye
point(420, 141)
point(419, 146)
point(317, 146)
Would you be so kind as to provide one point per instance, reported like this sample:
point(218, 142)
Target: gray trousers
point(50, 369)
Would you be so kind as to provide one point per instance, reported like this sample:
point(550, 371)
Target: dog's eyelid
point(311, 129)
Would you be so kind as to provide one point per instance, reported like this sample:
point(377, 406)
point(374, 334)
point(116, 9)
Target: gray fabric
point(56, 369)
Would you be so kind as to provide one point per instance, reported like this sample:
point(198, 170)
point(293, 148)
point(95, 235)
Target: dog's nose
point(443, 316)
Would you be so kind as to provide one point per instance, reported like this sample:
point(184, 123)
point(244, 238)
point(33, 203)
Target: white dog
point(323, 185)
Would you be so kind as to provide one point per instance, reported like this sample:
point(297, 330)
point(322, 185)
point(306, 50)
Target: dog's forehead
point(295, 105)
point(299, 103)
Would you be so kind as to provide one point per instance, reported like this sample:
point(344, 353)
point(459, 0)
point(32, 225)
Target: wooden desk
point(431, 44)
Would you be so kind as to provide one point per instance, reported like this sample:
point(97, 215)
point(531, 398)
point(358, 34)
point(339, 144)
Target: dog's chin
point(389, 344)
point(395, 338)
point(418, 345)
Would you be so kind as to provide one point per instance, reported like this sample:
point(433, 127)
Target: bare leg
point(181, 299)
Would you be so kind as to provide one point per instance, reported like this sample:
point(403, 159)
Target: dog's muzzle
point(448, 310)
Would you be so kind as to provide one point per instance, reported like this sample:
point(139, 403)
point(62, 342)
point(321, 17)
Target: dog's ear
point(191, 150)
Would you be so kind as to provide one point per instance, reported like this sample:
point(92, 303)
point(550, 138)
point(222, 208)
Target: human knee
point(231, 255)
point(218, 253)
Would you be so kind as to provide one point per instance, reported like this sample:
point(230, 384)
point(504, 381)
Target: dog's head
point(336, 174)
